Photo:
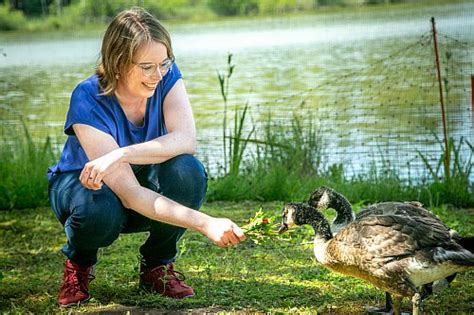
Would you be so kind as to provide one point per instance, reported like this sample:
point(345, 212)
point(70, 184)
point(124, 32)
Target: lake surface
point(366, 81)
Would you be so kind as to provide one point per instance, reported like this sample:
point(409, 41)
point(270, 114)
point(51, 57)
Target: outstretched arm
point(123, 182)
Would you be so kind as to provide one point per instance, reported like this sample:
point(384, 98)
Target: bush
point(234, 7)
point(11, 20)
point(283, 6)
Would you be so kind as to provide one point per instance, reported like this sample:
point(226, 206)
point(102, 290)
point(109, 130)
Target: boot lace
point(169, 275)
point(77, 280)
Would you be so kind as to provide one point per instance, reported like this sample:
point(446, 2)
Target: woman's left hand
point(94, 171)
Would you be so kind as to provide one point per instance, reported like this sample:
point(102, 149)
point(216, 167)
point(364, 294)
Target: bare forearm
point(158, 150)
point(160, 208)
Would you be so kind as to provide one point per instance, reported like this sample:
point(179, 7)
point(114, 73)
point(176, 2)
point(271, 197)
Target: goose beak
point(283, 228)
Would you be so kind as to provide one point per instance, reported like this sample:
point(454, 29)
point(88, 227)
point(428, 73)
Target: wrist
point(202, 224)
point(122, 155)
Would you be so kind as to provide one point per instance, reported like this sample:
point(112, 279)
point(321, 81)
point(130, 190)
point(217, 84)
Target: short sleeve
point(84, 108)
point(169, 80)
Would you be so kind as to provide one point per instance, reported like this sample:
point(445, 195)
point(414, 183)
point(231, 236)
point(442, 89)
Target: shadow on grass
point(224, 295)
point(249, 278)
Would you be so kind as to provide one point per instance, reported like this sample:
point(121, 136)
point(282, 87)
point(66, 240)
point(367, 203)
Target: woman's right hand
point(223, 232)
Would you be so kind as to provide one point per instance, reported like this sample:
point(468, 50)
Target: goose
point(325, 197)
point(398, 254)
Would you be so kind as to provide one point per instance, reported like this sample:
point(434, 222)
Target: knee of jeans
point(184, 180)
point(96, 223)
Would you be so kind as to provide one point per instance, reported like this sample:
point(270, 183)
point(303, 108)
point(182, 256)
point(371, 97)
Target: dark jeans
point(95, 218)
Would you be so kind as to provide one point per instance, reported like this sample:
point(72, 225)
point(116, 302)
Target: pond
point(359, 76)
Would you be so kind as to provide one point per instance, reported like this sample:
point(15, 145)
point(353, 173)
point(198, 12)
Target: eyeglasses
point(149, 69)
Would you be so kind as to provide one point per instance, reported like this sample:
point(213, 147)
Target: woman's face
point(146, 71)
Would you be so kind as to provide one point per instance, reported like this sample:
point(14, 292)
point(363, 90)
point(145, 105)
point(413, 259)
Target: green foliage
point(91, 14)
point(271, 277)
point(233, 7)
point(104, 10)
point(23, 171)
point(224, 80)
point(330, 2)
point(237, 143)
point(283, 6)
point(11, 20)
point(450, 182)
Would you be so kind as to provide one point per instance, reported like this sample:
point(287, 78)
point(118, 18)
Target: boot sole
point(78, 303)
point(149, 288)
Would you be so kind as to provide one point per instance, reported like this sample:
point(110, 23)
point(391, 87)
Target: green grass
point(277, 276)
point(288, 163)
point(23, 170)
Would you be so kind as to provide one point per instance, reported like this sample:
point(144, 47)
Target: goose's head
point(299, 213)
point(288, 217)
point(322, 198)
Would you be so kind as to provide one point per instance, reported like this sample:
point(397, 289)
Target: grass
point(23, 170)
point(277, 276)
point(288, 162)
point(285, 165)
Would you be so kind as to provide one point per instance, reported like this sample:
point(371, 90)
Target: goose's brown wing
point(411, 209)
point(379, 240)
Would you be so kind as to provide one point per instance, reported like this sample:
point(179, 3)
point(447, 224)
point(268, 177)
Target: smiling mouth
point(150, 86)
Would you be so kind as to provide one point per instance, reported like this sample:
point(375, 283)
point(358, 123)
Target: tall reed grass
point(23, 170)
point(286, 162)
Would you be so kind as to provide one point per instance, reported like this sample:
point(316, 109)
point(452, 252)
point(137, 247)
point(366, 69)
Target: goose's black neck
point(342, 206)
point(309, 215)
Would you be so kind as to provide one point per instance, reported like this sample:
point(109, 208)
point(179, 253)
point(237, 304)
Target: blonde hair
point(128, 31)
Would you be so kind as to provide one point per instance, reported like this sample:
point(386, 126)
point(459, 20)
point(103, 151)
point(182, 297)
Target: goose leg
point(388, 306)
point(388, 303)
point(397, 303)
point(416, 301)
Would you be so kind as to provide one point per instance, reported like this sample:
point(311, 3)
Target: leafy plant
point(261, 227)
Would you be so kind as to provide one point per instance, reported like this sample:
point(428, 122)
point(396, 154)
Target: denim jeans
point(95, 218)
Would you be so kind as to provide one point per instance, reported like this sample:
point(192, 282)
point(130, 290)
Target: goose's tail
point(466, 242)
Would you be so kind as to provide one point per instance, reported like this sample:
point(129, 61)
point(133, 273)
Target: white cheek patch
point(290, 219)
point(323, 202)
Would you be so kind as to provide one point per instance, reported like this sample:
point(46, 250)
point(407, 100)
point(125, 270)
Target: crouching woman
point(127, 165)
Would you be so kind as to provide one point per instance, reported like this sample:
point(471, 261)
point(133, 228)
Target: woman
point(127, 165)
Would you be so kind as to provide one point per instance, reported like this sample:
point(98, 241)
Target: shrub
point(233, 7)
point(11, 20)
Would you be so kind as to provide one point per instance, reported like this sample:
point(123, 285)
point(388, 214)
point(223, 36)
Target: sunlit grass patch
point(275, 276)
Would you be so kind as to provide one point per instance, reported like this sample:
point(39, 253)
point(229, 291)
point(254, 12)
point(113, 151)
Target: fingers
point(232, 236)
point(90, 178)
point(239, 232)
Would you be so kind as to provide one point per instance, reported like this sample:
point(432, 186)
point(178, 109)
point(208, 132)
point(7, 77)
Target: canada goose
point(325, 197)
point(398, 254)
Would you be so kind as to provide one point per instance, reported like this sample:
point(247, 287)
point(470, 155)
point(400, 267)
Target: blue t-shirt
point(105, 114)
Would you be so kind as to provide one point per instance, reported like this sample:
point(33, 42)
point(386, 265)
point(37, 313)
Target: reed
point(286, 161)
point(23, 170)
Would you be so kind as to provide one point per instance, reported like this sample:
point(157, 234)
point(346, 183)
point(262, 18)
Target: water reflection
point(318, 66)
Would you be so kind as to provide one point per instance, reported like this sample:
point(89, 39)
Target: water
point(280, 63)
